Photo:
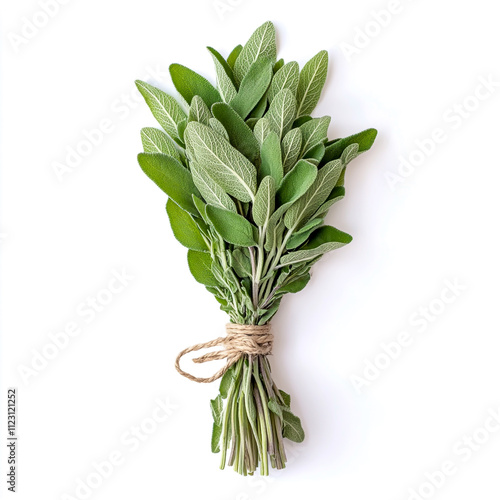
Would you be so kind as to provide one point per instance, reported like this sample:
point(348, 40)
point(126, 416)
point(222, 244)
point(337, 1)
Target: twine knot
point(239, 340)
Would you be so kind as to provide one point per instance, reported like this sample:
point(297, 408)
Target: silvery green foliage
point(215, 146)
point(250, 177)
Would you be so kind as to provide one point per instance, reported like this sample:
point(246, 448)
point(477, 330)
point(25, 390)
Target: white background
point(62, 240)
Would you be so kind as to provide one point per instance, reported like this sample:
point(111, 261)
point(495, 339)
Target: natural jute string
point(239, 340)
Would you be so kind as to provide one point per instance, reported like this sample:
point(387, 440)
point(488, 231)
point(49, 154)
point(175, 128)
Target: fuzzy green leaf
point(296, 285)
point(271, 158)
point(209, 189)
point(292, 427)
point(157, 141)
point(189, 83)
point(228, 167)
point(170, 176)
point(311, 81)
point(290, 146)
point(296, 182)
point(262, 42)
point(239, 133)
point(231, 58)
point(225, 78)
point(263, 206)
point(314, 131)
point(315, 196)
point(364, 139)
point(232, 227)
point(215, 441)
point(165, 108)
point(287, 77)
point(253, 87)
point(198, 111)
point(217, 407)
point(261, 130)
point(185, 229)
point(200, 265)
point(281, 112)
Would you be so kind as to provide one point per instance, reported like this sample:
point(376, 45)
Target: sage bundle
point(250, 176)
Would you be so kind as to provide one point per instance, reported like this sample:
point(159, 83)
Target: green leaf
point(296, 182)
point(170, 176)
point(287, 77)
point(253, 86)
point(281, 112)
point(263, 206)
point(315, 196)
point(274, 406)
point(228, 167)
point(200, 265)
point(259, 110)
point(156, 141)
point(314, 131)
point(323, 240)
point(364, 139)
point(311, 81)
point(301, 236)
point(217, 407)
point(290, 147)
point(262, 42)
point(185, 228)
point(286, 398)
point(241, 263)
point(271, 311)
point(349, 153)
point(189, 83)
point(278, 65)
point(209, 189)
point(239, 133)
point(219, 128)
point(199, 112)
point(292, 427)
point(225, 78)
point(261, 130)
point(271, 158)
point(165, 108)
point(315, 154)
point(232, 227)
point(296, 285)
point(231, 58)
point(216, 434)
point(336, 195)
point(201, 207)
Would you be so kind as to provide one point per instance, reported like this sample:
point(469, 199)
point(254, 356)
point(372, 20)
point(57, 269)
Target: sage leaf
point(311, 81)
point(239, 133)
point(263, 206)
point(216, 435)
point(290, 146)
point(287, 77)
point(270, 155)
point(165, 108)
point(315, 154)
point(199, 111)
point(253, 87)
point(171, 177)
point(189, 83)
point(200, 265)
point(314, 131)
point(241, 263)
point(262, 42)
point(230, 169)
point(209, 189)
point(157, 141)
point(296, 285)
point(286, 398)
point(315, 196)
point(185, 228)
point(217, 406)
point(292, 427)
point(323, 240)
point(217, 126)
point(364, 140)
point(261, 130)
point(273, 405)
point(232, 227)
point(296, 182)
point(225, 78)
point(281, 112)
point(231, 58)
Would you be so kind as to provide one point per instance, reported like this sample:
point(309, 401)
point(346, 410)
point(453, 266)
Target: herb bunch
point(250, 176)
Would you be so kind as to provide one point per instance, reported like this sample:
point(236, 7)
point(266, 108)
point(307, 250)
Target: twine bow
point(239, 340)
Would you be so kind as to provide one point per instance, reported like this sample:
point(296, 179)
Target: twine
point(239, 340)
